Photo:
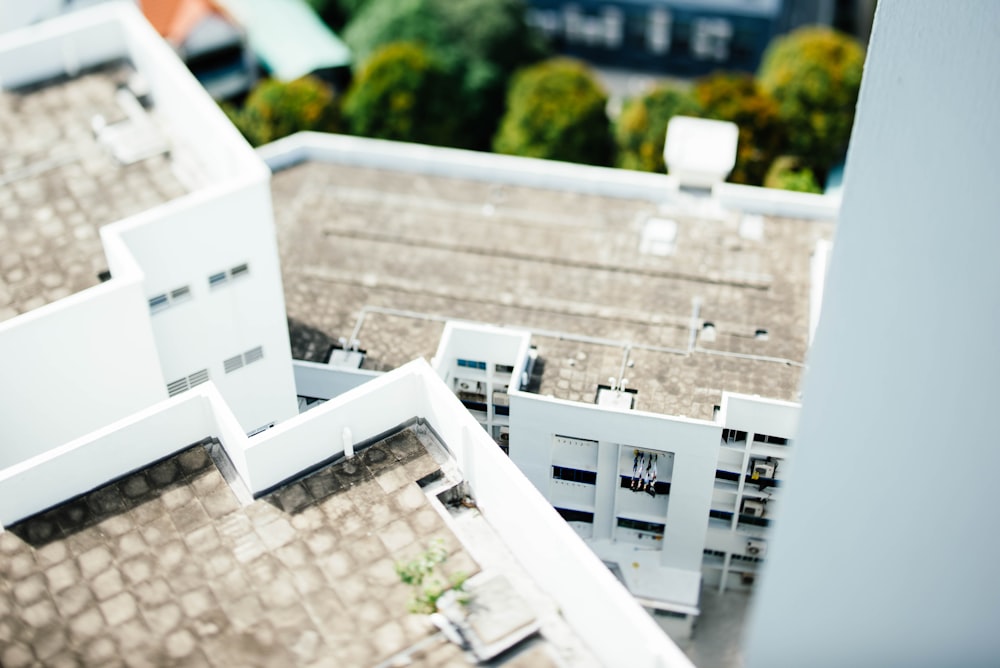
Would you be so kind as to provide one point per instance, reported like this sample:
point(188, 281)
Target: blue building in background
point(683, 37)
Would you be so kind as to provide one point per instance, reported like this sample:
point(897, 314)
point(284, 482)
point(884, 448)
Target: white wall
point(322, 381)
point(61, 45)
point(17, 13)
point(73, 366)
point(293, 446)
point(83, 464)
point(903, 376)
point(759, 415)
point(534, 420)
point(184, 242)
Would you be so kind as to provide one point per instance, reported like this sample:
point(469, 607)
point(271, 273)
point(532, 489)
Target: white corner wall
point(65, 44)
point(903, 381)
point(73, 366)
point(534, 420)
point(184, 242)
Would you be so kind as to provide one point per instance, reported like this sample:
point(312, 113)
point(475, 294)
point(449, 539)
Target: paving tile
point(119, 608)
point(160, 581)
point(29, 589)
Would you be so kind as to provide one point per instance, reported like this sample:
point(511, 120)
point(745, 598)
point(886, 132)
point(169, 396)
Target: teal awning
point(288, 37)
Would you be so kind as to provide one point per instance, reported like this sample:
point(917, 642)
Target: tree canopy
point(275, 109)
point(815, 74)
point(735, 97)
point(480, 42)
point(404, 92)
point(641, 129)
point(556, 110)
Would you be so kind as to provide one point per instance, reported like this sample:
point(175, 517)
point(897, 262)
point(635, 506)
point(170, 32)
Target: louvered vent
point(177, 387)
point(233, 363)
point(198, 377)
point(252, 356)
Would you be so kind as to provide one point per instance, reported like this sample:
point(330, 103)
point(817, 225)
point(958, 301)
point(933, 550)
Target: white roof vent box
point(700, 153)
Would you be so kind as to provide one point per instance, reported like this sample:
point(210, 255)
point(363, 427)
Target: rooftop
point(59, 184)
point(167, 565)
point(609, 286)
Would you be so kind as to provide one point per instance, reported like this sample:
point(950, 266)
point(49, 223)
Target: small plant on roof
point(428, 583)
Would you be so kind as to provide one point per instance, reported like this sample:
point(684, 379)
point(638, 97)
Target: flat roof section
point(166, 565)
point(635, 275)
point(59, 184)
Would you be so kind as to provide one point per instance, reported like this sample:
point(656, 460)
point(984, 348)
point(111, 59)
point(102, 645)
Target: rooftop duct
point(699, 152)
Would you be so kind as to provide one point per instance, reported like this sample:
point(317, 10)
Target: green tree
point(787, 173)
point(481, 42)
point(404, 92)
point(737, 98)
point(275, 109)
point(815, 74)
point(556, 110)
point(641, 128)
point(336, 13)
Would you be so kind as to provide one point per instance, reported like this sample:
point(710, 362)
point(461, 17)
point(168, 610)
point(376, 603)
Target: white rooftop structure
point(699, 152)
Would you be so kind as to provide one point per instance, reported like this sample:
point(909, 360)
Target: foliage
point(480, 42)
point(428, 585)
point(336, 13)
point(404, 92)
point(737, 98)
point(275, 109)
point(556, 110)
point(641, 129)
point(815, 75)
point(787, 174)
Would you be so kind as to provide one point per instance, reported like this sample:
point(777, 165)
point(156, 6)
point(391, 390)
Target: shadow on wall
point(124, 497)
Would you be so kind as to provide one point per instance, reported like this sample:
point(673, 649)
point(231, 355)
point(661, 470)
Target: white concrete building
point(195, 289)
point(899, 386)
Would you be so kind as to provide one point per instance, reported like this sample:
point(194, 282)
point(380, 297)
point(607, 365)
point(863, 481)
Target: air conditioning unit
point(504, 434)
point(761, 469)
point(756, 547)
point(470, 386)
point(752, 507)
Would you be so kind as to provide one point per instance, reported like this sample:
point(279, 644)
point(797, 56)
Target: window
point(233, 363)
point(472, 364)
point(198, 377)
point(238, 271)
point(175, 296)
point(177, 386)
point(774, 440)
point(184, 384)
point(576, 515)
point(158, 303)
point(237, 362)
point(503, 368)
point(639, 525)
point(574, 475)
point(733, 435)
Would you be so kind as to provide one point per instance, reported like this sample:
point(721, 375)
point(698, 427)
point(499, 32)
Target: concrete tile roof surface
point(58, 186)
point(390, 255)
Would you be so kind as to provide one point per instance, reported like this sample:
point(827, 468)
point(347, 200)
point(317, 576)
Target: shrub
point(404, 92)
point(787, 174)
point(275, 109)
point(556, 110)
point(815, 75)
point(480, 42)
point(739, 99)
point(641, 129)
